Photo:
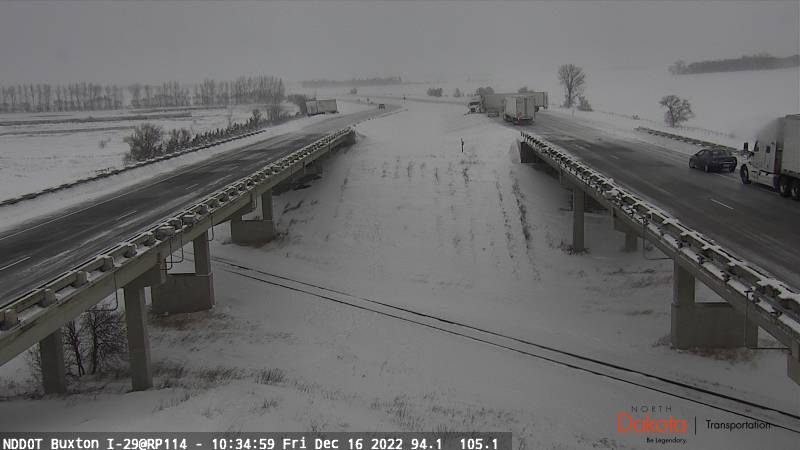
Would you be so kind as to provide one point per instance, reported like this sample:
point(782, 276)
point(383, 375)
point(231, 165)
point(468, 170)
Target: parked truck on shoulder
point(774, 160)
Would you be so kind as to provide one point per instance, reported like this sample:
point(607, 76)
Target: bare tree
point(678, 110)
point(573, 79)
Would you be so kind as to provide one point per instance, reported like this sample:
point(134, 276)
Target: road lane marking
point(15, 263)
point(613, 156)
point(124, 216)
point(189, 187)
point(720, 203)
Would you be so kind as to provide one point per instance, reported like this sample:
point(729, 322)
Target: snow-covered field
point(729, 104)
point(40, 159)
point(407, 219)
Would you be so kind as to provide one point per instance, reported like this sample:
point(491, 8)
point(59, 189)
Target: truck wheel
point(785, 186)
point(745, 174)
point(796, 190)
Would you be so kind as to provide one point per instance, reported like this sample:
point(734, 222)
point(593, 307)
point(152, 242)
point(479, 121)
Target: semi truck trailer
point(774, 159)
point(495, 103)
point(519, 109)
point(314, 107)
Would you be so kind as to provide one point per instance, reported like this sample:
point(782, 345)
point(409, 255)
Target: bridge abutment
point(254, 231)
point(705, 325)
point(527, 155)
point(188, 292)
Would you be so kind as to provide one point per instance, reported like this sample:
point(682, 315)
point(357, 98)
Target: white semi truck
point(774, 160)
point(519, 109)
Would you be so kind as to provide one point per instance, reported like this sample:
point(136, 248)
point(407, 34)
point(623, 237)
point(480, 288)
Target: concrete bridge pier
point(793, 362)
point(705, 325)
point(578, 209)
point(54, 372)
point(187, 292)
point(136, 321)
point(254, 231)
point(631, 237)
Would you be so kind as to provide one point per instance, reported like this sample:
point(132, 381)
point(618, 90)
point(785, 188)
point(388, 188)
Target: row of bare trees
point(260, 89)
point(166, 95)
point(69, 97)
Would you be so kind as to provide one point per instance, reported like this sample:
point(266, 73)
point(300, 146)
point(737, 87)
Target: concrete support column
point(578, 205)
point(631, 242)
point(188, 292)
point(793, 362)
point(54, 374)
point(631, 237)
point(255, 232)
point(705, 325)
point(138, 340)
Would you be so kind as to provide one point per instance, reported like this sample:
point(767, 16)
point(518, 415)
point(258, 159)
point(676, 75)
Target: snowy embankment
point(29, 172)
point(406, 219)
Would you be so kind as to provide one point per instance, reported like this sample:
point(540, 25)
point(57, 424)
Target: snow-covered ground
point(407, 219)
point(42, 158)
point(729, 107)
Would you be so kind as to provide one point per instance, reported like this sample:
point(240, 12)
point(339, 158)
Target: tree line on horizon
point(374, 81)
point(83, 96)
point(760, 61)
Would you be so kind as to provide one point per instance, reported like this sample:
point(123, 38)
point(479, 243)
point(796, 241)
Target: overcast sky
point(122, 42)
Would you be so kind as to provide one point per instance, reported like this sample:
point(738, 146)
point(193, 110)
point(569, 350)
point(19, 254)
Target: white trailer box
point(790, 159)
point(312, 107)
point(519, 109)
point(539, 99)
point(495, 102)
point(327, 106)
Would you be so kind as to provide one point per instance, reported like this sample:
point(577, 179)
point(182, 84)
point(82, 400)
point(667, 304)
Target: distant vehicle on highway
point(713, 159)
point(381, 106)
point(774, 160)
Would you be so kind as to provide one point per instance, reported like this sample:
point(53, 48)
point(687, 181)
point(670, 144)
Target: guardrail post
point(578, 206)
point(138, 340)
point(54, 374)
point(705, 325)
point(188, 292)
point(255, 232)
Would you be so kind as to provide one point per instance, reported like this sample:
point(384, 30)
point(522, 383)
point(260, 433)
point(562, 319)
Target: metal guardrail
point(688, 140)
point(32, 316)
point(768, 302)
